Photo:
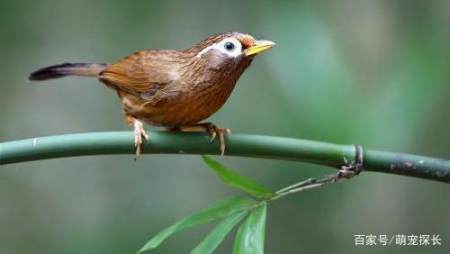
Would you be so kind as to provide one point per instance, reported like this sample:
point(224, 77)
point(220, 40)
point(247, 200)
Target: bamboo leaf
point(219, 210)
point(218, 234)
point(250, 235)
point(233, 179)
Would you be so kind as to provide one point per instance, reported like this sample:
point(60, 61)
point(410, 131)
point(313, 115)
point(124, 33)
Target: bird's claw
point(214, 132)
point(140, 136)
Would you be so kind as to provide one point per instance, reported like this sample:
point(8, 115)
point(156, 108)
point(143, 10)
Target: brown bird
point(170, 88)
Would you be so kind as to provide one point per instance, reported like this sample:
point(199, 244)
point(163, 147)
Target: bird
point(173, 89)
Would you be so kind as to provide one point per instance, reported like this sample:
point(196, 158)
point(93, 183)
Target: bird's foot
point(140, 136)
point(212, 130)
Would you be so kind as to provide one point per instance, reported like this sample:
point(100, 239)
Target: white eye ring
point(228, 46)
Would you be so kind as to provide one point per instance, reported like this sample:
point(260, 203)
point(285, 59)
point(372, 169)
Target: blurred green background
point(370, 72)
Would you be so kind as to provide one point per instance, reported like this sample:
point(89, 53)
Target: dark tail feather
point(67, 69)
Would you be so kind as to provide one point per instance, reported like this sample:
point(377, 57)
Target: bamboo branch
point(322, 153)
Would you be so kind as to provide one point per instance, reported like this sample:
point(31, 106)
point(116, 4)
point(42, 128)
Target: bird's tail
point(67, 69)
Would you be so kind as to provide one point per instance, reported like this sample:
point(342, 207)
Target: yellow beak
point(260, 46)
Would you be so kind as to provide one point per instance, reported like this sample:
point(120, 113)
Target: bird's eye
point(229, 46)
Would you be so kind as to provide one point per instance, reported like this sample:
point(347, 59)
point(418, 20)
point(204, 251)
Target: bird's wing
point(144, 72)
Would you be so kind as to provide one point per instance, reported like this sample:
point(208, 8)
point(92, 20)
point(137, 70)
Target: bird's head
point(228, 52)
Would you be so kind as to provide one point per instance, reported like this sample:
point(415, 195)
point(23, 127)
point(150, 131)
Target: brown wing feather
point(143, 71)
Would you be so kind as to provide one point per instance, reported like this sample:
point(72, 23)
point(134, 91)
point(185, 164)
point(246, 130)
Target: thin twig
point(308, 184)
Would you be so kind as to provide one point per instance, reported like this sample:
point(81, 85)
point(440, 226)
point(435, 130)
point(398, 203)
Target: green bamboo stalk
point(328, 154)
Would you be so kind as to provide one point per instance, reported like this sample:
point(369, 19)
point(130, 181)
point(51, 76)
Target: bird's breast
point(180, 104)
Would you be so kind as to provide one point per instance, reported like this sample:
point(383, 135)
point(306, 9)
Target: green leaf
point(233, 179)
point(219, 210)
point(216, 236)
point(250, 236)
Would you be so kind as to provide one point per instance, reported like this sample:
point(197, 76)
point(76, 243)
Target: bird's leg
point(140, 135)
point(212, 130)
